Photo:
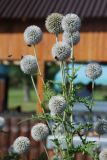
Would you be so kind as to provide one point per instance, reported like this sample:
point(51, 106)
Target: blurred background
point(16, 90)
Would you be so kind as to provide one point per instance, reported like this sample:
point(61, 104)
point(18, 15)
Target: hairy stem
point(45, 149)
point(38, 64)
point(35, 89)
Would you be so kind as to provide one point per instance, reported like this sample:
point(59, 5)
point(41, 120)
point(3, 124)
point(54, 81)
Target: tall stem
point(38, 63)
point(45, 149)
point(93, 91)
point(57, 38)
point(35, 89)
point(72, 61)
point(63, 77)
point(72, 83)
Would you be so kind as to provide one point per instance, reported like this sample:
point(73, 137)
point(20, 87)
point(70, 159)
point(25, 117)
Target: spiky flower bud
point(21, 145)
point(93, 71)
point(32, 35)
point(28, 64)
point(103, 155)
point(71, 23)
point(101, 127)
point(2, 123)
point(61, 51)
point(71, 37)
point(39, 132)
point(57, 105)
point(53, 23)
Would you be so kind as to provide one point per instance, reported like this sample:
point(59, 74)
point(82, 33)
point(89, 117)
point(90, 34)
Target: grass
point(16, 98)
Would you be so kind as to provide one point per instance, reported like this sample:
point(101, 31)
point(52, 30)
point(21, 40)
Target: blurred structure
point(15, 16)
point(4, 80)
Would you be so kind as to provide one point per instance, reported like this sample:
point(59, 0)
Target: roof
point(34, 9)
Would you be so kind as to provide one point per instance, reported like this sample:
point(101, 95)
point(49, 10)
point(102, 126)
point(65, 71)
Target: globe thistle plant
point(2, 123)
point(93, 71)
point(61, 51)
point(60, 106)
point(21, 145)
point(70, 38)
point(101, 127)
point(39, 132)
point(103, 155)
point(28, 64)
point(71, 23)
point(53, 23)
point(57, 105)
point(32, 35)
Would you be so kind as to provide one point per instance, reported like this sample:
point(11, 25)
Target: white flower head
point(28, 64)
point(2, 123)
point(101, 127)
point(32, 35)
point(57, 105)
point(11, 149)
point(61, 51)
point(93, 71)
point(39, 132)
point(71, 37)
point(103, 155)
point(21, 145)
point(71, 23)
point(53, 23)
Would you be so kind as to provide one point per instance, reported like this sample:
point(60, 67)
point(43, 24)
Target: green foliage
point(10, 157)
point(70, 128)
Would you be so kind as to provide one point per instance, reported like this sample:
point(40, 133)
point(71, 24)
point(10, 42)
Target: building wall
point(92, 44)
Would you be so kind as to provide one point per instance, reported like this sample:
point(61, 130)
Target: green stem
point(38, 64)
point(35, 89)
point(93, 91)
point(63, 78)
point(45, 149)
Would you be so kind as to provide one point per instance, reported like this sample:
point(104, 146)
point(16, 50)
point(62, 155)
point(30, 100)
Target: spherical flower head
point(2, 123)
point(53, 23)
point(39, 132)
point(32, 35)
point(11, 150)
point(71, 37)
point(93, 71)
point(57, 105)
point(101, 127)
point(71, 23)
point(61, 51)
point(21, 145)
point(28, 64)
point(103, 155)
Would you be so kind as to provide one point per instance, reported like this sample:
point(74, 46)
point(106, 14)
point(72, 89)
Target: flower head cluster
point(57, 105)
point(32, 35)
point(39, 132)
point(101, 127)
point(28, 64)
point(93, 71)
point(103, 155)
point(53, 23)
point(71, 23)
point(21, 145)
point(61, 51)
point(2, 123)
point(70, 38)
